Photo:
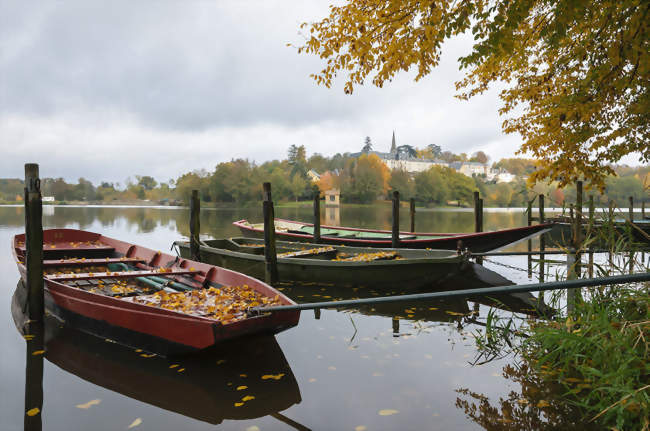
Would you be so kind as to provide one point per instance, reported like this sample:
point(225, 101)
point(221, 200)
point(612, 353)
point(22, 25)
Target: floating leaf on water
point(33, 412)
point(433, 308)
point(180, 370)
point(135, 423)
point(173, 366)
point(360, 428)
point(38, 352)
point(312, 380)
point(138, 350)
point(89, 404)
point(239, 404)
point(248, 398)
point(388, 412)
point(273, 376)
point(242, 387)
point(253, 428)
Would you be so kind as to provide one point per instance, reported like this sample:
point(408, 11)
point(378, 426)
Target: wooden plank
point(84, 261)
point(125, 274)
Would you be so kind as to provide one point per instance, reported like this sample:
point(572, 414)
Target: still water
point(348, 370)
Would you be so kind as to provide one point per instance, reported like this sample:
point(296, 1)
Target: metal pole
point(536, 287)
point(195, 225)
point(316, 214)
point(395, 236)
point(34, 242)
point(270, 256)
point(412, 213)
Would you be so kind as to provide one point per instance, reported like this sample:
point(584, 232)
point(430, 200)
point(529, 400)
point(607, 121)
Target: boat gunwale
point(453, 257)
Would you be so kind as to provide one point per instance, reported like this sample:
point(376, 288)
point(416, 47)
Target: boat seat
point(311, 252)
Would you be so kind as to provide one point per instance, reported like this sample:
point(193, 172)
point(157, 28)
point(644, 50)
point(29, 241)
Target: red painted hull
point(476, 242)
point(166, 331)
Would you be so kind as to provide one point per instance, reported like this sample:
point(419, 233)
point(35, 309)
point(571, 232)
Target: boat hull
point(416, 269)
point(157, 330)
point(476, 242)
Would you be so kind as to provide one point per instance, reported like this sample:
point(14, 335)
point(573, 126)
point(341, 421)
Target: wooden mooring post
point(412, 213)
point(529, 222)
point(395, 230)
point(34, 242)
point(478, 213)
point(195, 225)
point(631, 209)
point(590, 226)
point(573, 259)
point(270, 256)
point(316, 214)
point(542, 243)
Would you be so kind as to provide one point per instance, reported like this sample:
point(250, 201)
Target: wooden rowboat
point(289, 230)
point(148, 299)
point(339, 265)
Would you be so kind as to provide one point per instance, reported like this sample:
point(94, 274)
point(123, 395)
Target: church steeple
point(393, 147)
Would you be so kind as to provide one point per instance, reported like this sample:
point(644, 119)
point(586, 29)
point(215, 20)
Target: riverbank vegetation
point(593, 360)
point(361, 179)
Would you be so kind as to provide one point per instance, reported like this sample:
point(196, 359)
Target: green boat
point(335, 265)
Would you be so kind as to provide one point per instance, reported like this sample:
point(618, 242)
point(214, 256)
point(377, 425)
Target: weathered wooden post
point(631, 209)
point(35, 345)
point(529, 221)
point(34, 242)
point(412, 213)
point(316, 214)
point(195, 225)
point(590, 226)
point(270, 256)
point(476, 212)
point(317, 313)
point(395, 327)
point(395, 236)
point(480, 215)
point(542, 243)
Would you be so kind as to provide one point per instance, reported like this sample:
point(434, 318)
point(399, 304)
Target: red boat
point(288, 230)
point(147, 299)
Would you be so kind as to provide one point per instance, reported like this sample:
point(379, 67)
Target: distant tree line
point(361, 179)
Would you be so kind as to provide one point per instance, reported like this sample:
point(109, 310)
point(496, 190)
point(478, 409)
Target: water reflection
point(244, 379)
point(533, 406)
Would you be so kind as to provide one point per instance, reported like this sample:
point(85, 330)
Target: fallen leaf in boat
point(28, 337)
point(180, 370)
point(241, 388)
point(272, 376)
point(173, 366)
point(388, 412)
point(360, 428)
point(38, 352)
point(33, 412)
point(89, 404)
point(243, 375)
point(433, 308)
point(543, 403)
point(144, 355)
point(248, 398)
point(138, 350)
point(239, 404)
point(135, 423)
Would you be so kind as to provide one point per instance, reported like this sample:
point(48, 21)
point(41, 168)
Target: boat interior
point(286, 249)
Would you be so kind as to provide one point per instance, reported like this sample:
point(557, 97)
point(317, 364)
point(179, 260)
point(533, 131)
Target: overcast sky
point(108, 90)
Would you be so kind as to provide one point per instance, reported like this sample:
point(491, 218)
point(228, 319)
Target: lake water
point(348, 370)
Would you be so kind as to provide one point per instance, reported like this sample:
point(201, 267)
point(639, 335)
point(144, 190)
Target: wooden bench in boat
point(120, 274)
point(310, 252)
point(83, 261)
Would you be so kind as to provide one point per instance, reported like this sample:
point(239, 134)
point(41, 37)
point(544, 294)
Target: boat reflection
point(203, 386)
point(441, 310)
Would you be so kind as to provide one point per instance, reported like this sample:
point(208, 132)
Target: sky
point(110, 90)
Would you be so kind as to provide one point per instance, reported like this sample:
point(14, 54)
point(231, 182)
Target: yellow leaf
point(360, 428)
point(241, 388)
point(173, 366)
point(180, 370)
point(312, 380)
point(33, 412)
point(239, 404)
point(28, 337)
point(388, 412)
point(248, 398)
point(89, 404)
point(38, 352)
point(543, 403)
point(135, 423)
point(272, 376)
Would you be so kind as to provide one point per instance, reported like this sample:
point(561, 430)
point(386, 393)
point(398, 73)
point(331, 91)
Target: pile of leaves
point(367, 257)
point(227, 304)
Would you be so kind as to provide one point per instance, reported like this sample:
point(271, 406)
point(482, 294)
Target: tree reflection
point(536, 406)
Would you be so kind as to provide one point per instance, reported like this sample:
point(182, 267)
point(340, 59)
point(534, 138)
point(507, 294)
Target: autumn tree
point(369, 178)
point(576, 73)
